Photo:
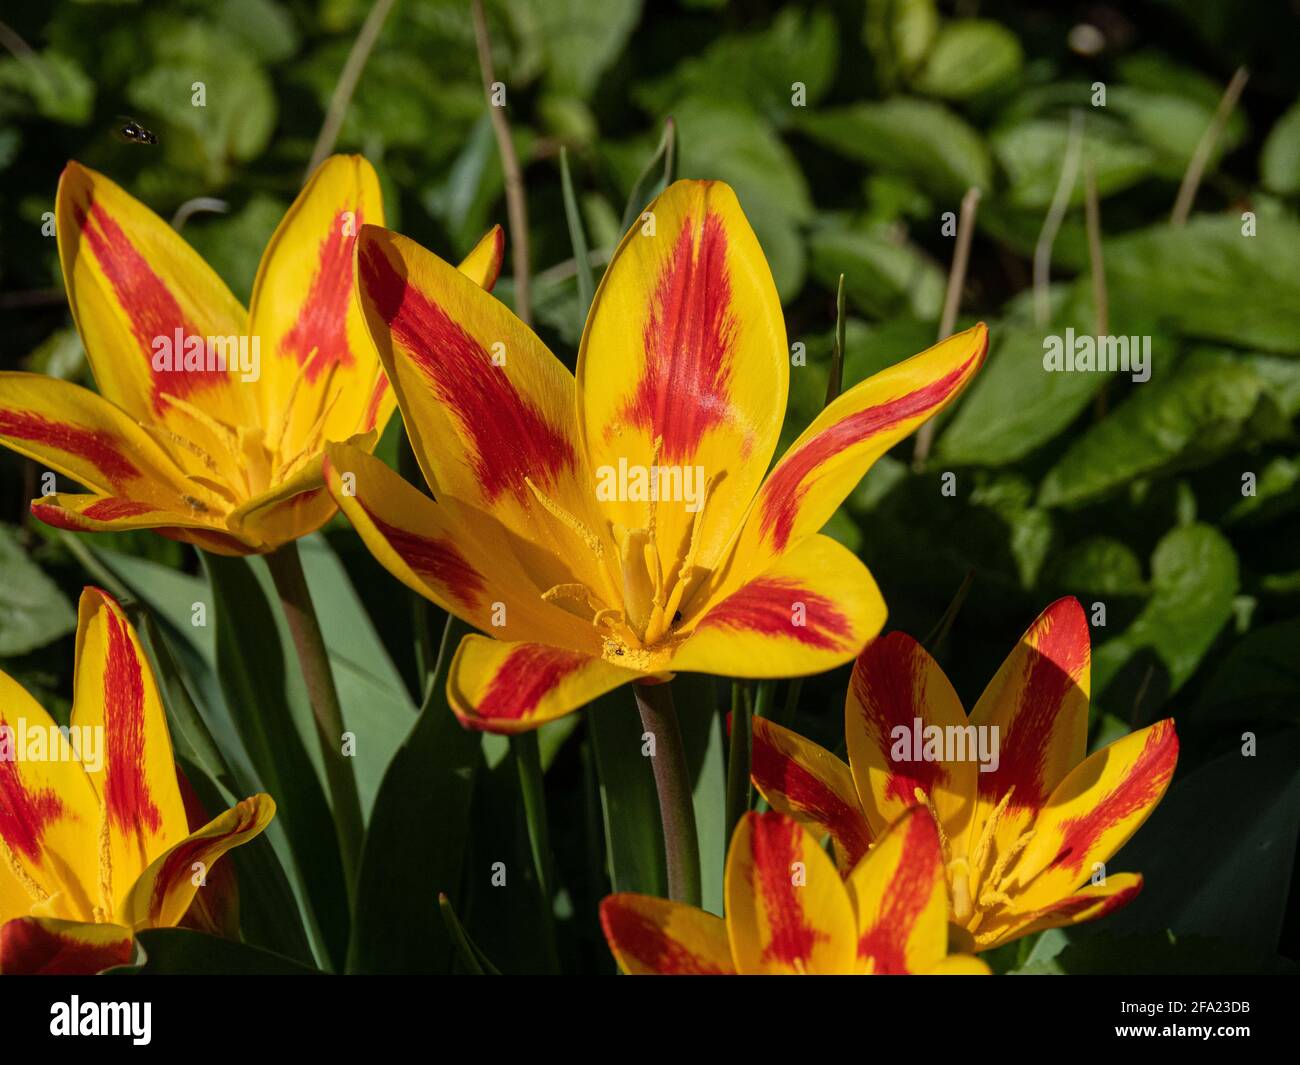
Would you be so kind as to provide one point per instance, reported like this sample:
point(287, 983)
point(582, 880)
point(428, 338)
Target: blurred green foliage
point(849, 130)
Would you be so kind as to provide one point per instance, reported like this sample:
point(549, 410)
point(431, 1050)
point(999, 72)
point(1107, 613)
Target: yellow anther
point(959, 878)
point(1005, 861)
point(925, 801)
point(33, 889)
point(105, 861)
point(990, 829)
point(567, 520)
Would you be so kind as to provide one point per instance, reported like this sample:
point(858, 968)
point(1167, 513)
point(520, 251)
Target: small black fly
point(133, 133)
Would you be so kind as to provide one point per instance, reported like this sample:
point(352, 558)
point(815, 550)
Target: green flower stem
point(738, 755)
point(285, 565)
point(528, 759)
point(673, 783)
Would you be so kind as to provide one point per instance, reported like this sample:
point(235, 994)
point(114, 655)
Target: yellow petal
point(81, 435)
point(483, 264)
point(1087, 904)
point(1038, 703)
point(959, 965)
point(464, 561)
point(516, 687)
point(316, 353)
point(650, 936)
point(135, 287)
point(488, 409)
point(831, 456)
point(811, 611)
point(1094, 811)
point(164, 891)
point(805, 781)
point(684, 362)
point(787, 910)
point(895, 685)
point(900, 898)
point(49, 813)
point(45, 946)
point(116, 695)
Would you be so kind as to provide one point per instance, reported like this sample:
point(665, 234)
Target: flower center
point(640, 603)
point(977, 881)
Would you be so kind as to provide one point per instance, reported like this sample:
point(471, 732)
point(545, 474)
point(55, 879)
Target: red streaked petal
point(683, 363)
point(115, 691)
point(896, 684)
point(515, 687)
point(807, 782)
point(1094, 811)
point(811, 611)
point(1038, 703)
point(132, 283)
point(650, 936)
point(900, 898)
point(787, 910)
point(42, 946)
point(163, 894)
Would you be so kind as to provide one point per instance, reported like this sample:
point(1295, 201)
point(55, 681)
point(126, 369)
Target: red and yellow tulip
point(789, 912)
point(1025, 845)
point(94, 849)
point(682, 372)
point(182, 436)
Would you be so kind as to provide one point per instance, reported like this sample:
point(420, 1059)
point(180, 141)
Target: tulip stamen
point(33, 889)
point(928, 803)
point(105, 864)
point(568, 521)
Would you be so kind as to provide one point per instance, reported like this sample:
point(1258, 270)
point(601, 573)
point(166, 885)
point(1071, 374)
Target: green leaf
point(1257, 680)
point(634, 841)
point(238, 112)
point(1207, 279)
point(970, 56)
point(264, 27)
point(182, 951)
point(233, 244)
point(1172, 126)
point(1160, 954)
point(263, 686)
point(758, 69)
point(1183, 417)
point(1031, 152)
point(920, 139)
point(415, 843)
point(1216, 855)
point(376, 704)
point(703, 732)
point(882, 277)
point(1015, 405)
point(1194, 580)
point(56, 84)
point(578, 39)
point(898, 34)
point(1099, 565)
point(32, 610)
point(1279, 161)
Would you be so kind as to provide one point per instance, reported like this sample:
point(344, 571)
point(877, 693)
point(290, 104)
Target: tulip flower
point(95, 839)
point(1026, 835)
point(789, 912)
point(618, 526)
point(210, 420)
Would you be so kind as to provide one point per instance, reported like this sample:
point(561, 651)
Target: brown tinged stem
point(516, 204)
point(347, 83)
point(1201, 155)
point(951, 304)
point(285, 565)
point(673, 783)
